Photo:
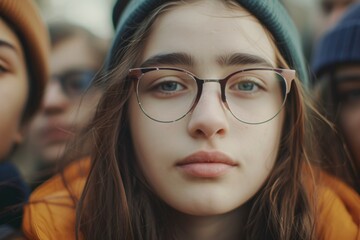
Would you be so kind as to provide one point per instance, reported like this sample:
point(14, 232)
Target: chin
point(206, 212)
point(206, 208)
point(54, 153)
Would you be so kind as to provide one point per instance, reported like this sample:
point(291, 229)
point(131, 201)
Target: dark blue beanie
point(128, 14)
point(340, 45)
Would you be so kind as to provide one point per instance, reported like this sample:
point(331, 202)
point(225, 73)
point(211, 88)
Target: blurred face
point(348, 89)
point(13, 88)
point(333, 11)
point(207, 163)
point(73, 65)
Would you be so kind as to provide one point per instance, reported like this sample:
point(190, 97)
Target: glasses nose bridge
point(211, 80)
point(220, 81)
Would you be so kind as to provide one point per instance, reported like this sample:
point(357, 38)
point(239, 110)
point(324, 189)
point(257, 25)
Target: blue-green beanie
point(128, 14)
point(340, 45)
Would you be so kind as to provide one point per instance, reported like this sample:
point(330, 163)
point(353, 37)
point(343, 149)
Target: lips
point(55, 134)
point(206, 165)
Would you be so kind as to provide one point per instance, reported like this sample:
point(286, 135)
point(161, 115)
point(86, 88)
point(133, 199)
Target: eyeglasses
point(75, 82)
point(350, 97)
point(253, 95)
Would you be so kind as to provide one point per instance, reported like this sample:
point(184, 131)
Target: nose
point(55, 101)
point(209, 117)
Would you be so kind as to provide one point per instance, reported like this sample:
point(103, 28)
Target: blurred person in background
point(336, 64)
point(24, 49)
point(321, 15)
point(331, 12)
point(76, 56)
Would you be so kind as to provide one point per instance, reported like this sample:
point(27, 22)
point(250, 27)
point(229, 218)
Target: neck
point(228, 226)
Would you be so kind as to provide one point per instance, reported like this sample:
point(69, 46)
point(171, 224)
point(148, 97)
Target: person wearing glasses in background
point(76, 56)
point(201, 133)
point(336, 66)
point(24, 56)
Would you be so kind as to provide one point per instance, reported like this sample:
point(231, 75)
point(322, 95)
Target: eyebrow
point(242, 59)
point(169, 59)
point(224, 60)
point(7, 45)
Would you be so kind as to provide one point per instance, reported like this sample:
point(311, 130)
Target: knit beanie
point(127, 15)
point(340, 45)
point(24, 19)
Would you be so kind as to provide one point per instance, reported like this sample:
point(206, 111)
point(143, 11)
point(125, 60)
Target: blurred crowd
point(50, 87)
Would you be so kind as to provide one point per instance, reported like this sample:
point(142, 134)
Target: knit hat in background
point(271, 13)
point(25, 20)
point(340, 45)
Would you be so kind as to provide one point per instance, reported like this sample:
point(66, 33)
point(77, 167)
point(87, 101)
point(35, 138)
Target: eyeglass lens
point(348, 90)
point(253, 96)
point(75, 82)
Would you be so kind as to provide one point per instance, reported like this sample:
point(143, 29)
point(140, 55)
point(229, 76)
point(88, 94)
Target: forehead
point(208, 29)
point(72, 53)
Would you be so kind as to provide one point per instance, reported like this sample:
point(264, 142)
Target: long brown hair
point(117, 202)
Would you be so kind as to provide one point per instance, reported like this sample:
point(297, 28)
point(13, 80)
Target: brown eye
point(75, 82)
point(3, 69)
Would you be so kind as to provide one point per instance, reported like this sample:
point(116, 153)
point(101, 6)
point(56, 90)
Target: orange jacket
point(51, 211)
point(337, 206)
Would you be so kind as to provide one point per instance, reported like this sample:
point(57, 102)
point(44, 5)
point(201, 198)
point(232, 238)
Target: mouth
point(55, 135)
point(206, 165)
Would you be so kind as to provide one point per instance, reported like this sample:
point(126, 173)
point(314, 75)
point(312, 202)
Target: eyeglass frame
point(61, 79)
point(135, 74)
point(347, 98)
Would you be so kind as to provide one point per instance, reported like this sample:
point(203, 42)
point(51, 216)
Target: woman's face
point(207, 163)
point(13, 88)
point(348, 89)
point(65, 112)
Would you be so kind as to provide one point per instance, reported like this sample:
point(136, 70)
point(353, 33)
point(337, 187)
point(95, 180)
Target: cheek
point(143, 134)
point(259, 147)
point(350, 124)
point(84, 110)
point(8, 130)
point(10, 114)
point(156, 146)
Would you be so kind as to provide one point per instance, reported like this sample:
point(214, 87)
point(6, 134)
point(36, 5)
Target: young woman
point(199, 135)
point(24, 47)
point(337, 86)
